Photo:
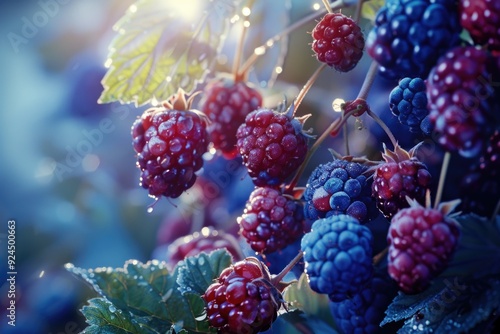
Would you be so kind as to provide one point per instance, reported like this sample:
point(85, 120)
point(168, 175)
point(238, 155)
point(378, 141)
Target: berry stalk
point(238, 75)
point(277, 279)
point(327, 6)
point(442, 178)
point(383, 126)
point(307, 87)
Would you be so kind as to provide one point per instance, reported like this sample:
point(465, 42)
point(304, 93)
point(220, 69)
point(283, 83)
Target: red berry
point(400, 176)
point(242, 300)
point(481, 18)
point(271, 221)
point(272, 145)
point(169, 141)
point(226, 103)
point(421, 242)
point(338, 42)
point(206, 240)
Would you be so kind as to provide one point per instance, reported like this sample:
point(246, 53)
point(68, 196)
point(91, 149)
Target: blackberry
point(226, 103)
point(480, 18)
point(338, 256)
point(363, 312)
point(271, 221)
point(410, 35)
point(170, 141)
point(272, 145)
point(408, 101)
point(480, 187)
point(401, 176)
point(338, 42)
point(339, 187)
point(242, 300)
point(460, 99)
point(421, 242)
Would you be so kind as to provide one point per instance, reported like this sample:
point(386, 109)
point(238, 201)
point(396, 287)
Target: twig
point(442, 178)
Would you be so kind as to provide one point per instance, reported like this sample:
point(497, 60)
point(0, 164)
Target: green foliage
point(162, 46)
point(148, 298)
point(464, 295)
point(370, 9)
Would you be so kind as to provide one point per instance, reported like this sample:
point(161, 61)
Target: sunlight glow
point(316, 6)
point(337, 105)
point(188, 10)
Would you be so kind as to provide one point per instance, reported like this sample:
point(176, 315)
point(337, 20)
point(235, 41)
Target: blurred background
point(67, 171)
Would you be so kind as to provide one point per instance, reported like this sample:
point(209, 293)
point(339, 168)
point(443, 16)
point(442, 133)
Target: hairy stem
point(278, 278)
point(368, 82)
point(271, 41)
point(383, 126)
point(327, 6)
point(238, 75)
point(308, 86)
point(442, 178)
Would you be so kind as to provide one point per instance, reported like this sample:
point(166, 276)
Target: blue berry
point(339, 187)
point(338, 256)
point(408, 101)
point(410, 35)
point(363, 312)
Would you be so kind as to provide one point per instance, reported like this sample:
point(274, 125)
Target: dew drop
point(112, 308)
point(201, 261)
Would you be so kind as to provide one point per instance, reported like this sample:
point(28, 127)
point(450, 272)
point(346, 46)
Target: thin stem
point(496, 211)
point(380, 256)
point(308, 86)
point(357, 13)
point(239, 53)
point(442, 178)
point(383, 126)
point(327, 6)
point(270, 42)
point(368, 82)
point(276, 279)
point(346, 140)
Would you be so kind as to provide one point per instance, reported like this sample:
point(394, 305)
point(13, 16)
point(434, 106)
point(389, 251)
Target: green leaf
point(371, 8)
point(103, 317)
point(161, 46)
point(198, 272)
point(301, 296)
point(148, 291)
point(478, 252)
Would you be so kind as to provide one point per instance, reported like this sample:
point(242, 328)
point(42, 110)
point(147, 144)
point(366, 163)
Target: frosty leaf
point(478, 252)
point(148, 291)
point(301, 296)
point(103, 317)
point(162, 46)
point(198, 272)
point(370, 9)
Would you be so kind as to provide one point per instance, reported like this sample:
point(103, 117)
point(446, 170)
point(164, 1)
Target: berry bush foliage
point(402, 236)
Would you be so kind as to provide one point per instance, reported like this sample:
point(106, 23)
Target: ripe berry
point(226, 103)
point(207, 240)
point(400, 176)
point(242, 300)
point(363, 312)
point(338, 42)
point(339, 187)
point(480, 188)
point(338, 256)
point(421, 242)
point(170, 141)
point(271, 221)
point(459, 94)
point(410, 35)
point(480, 18)
point(272, 145)
point(408, 101)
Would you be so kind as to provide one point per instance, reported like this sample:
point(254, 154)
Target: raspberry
point(480, 188)
point(170, 142)
point(272, 145)
point(459, 94)
point(421, 242)
point(410, 35)
point(480, 18)
point(408, 101)
point(363, 312)
point(206, 240)
point(339, 187)
point(226, 103)
point(338, 256)
point(242, 300)
point(271, 221)
point(338, 42)
point(400, 176)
